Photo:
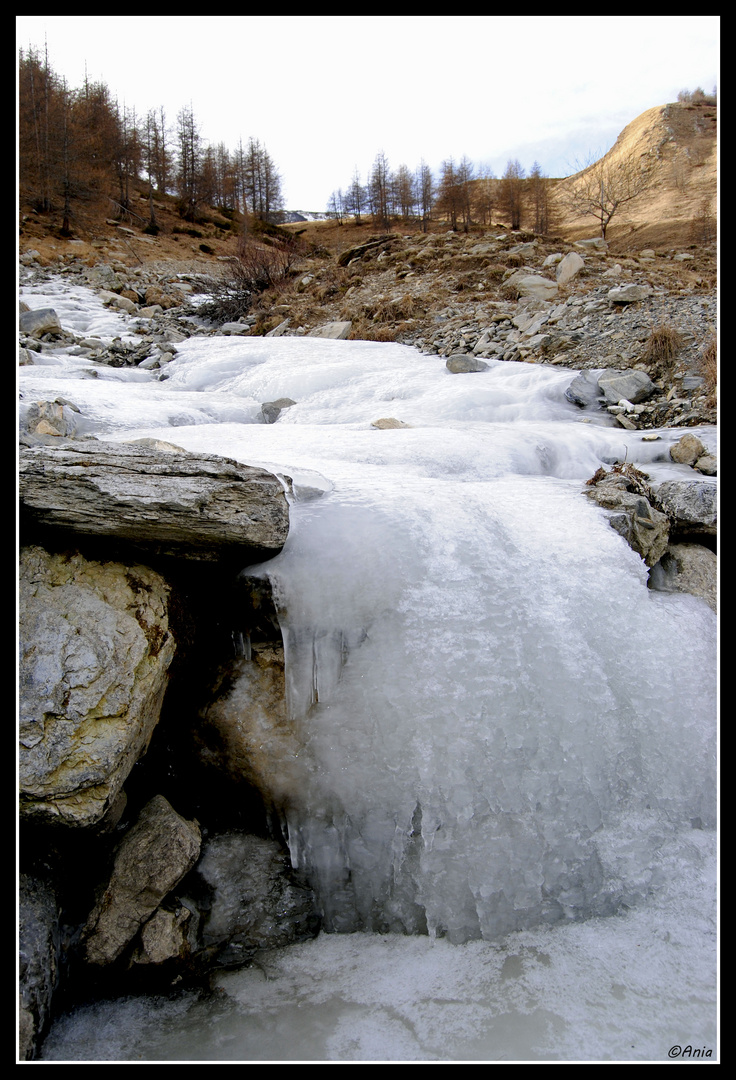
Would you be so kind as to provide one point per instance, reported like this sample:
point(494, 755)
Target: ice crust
point(503, 728)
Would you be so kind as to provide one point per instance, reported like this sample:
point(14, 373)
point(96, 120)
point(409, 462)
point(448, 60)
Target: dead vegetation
point(662, 347)
point(708, 362)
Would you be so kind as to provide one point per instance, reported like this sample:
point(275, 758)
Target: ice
point(506, 735)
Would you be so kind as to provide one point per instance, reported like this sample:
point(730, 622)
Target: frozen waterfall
point(503, 730)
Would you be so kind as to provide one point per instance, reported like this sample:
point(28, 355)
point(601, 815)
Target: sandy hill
point(676, 145)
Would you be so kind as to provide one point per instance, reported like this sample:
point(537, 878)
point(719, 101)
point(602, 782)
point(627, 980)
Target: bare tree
point(604, 187)
point(425, 192)
point(378, 191)
point(448, 193)
point(539, 198)
point(356, 197)
point(484, 195)
point(511, 193)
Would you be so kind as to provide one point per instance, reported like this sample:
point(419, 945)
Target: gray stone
point(271, 410)
point(689, 568)
point(234, 329)
point(388, 422)
point(540, 288)
point(152, 859)
point(256, 903)
point(644, 528)
point(594, 243)
point(192, 506)
point(691, 505)
point(707, 465)
point(462, 363)
point(584, 390)
point(38, 961)
point(687, 450)
point(39, 321)
point(95, 649)
point(338, 331)
point(569, 268)
point(629, 294)
point(634, 386)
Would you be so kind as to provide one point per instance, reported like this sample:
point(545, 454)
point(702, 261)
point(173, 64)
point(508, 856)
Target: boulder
point(95, 648)
point(462, 363)
point(256, 901)
point(633, 386)
point(191, 506)
point(687, 450)
point(569, 267)
point(245, 731)
point(39, 321)
point(388, 422)
point(689, 568)
point(152, 859)
point(338, 331)
point(645, 529)
point(594, 243)
point(57, 418)
point(540, 288)
point(628, 294)
point(38, 964)
point(691, 505)
point(271, 410)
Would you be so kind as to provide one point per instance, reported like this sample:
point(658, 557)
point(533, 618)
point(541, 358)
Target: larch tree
point(511, 195)
point(604, 187)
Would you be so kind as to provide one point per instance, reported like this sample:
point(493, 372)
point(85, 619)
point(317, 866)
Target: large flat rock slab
point(191, 506)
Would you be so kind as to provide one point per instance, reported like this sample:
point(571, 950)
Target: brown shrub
point(708, 363)
point(662, 347)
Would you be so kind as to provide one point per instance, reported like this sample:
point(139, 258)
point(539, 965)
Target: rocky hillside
point(677, 145)
point(594, 304)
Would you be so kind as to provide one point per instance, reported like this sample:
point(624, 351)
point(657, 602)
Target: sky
point(325, 95)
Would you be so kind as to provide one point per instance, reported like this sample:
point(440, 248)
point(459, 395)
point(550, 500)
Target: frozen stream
point(508, 739)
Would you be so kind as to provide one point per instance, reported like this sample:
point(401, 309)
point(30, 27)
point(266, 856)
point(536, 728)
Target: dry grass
point(662, 346)
point(709, 368)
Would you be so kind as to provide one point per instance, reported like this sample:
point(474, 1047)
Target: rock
point(39, 321)
point(279, 330)
point(152, 859)
point(707, 465)
point(38, 965)
point(388, 422)
point(629, 294)
point(689, 568)
point(95, 648)
point(533, 285)
point(569, 268)
point(191, 506)
point(168, 935)
point(57, 418)
point(633, 386)
point(256, 902)
point(584, 390)
point(122, 303)
point(339, 331)
point(691, 505)
point(235, 329)
point(246, 732)
point(644, 528)
point(687, 450)
point(595, 243)
point(462, 363)
point(271, 410)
